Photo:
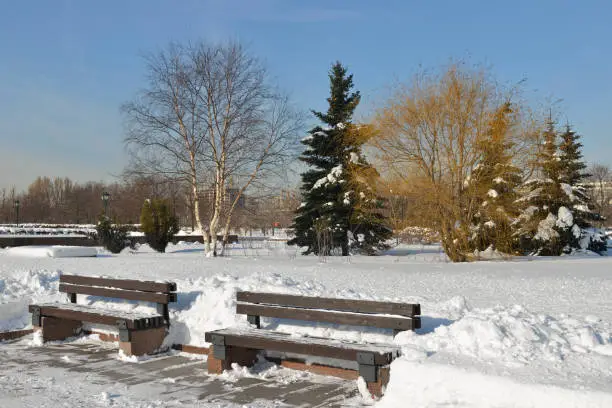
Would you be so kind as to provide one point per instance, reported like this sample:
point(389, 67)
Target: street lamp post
point(105, 198)
point(16, 205)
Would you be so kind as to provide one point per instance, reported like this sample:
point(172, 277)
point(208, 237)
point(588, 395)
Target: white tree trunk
point(214, 222)
point(196, 204)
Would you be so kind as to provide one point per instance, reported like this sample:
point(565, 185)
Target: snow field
point(495, 334)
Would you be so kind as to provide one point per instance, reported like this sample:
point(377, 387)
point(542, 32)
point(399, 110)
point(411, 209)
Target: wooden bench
point(139, 333)
point(241, 345)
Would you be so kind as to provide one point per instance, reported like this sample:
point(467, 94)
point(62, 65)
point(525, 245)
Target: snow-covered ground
point(521, 333)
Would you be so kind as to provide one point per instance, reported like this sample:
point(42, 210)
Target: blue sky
point(66, 66)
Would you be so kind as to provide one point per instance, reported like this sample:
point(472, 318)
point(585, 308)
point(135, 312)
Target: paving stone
point(177, 377)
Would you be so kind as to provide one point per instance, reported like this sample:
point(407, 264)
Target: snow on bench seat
point(92, 314)
point(314, 346)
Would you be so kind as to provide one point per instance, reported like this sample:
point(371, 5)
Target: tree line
point(453, 151)
point(64, 201)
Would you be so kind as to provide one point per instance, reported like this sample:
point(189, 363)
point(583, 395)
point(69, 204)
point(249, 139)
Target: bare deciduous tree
point(601, 191)
point(165, 125)
point(428, 134)
point(210, 111)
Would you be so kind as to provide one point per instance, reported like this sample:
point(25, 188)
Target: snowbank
point(508, 341)
point(53, 251)
point(497, 357)
point(422, 385)
point(21, 289)
point(514, 335)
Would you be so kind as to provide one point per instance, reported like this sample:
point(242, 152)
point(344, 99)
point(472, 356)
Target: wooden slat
point(346, 305)
point(90, 317)
point(273, 341)
point(186, 348)
point(353, 319)
point(11, 335)
point(117, 293)
point(321, 369)
point(127, 284)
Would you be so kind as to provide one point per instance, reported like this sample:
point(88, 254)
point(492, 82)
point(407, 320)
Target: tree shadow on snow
point(186, 251)
point(415, 250)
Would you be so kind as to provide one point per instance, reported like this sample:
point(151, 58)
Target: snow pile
point(439, 385)
point(495, 357)
point(515, 335)
point(207, 304)
point(53, 251)
point(203, 304)
point(490, 253)
point(21, 289)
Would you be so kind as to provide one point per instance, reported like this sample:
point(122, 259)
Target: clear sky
point(67, 65)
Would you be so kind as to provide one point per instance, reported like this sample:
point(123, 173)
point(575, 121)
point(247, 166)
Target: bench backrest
point(146, 291)
point(387, 315)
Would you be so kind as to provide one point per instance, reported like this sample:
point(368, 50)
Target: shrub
point(112, 237)
point(158, 224)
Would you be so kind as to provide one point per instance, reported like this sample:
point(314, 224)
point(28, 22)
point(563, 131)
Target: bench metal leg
point(124, 332)
point(375, 376)
point(377, 388)
point(36, 318)
point(367, 368)
point(162, 309)
point(221, 356)
point(254, 320)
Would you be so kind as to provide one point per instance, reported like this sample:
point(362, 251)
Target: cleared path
point(73, 372)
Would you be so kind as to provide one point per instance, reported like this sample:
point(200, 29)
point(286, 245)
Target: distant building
point(208, 196)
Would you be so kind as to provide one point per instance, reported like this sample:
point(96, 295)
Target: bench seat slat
point(117, 293)
point(351, 318)
point(313, 346)
point(90, 314)
point(127, 284)
point(347, 305)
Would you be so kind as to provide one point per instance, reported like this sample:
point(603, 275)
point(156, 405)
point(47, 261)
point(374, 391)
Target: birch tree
point(165, 128)
point(211, 110)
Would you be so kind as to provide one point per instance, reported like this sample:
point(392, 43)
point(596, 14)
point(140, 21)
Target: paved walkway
point(175, 378)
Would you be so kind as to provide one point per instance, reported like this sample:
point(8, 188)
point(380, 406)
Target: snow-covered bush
point(113, 237)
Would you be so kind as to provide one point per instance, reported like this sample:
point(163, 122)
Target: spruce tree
point(332, 206)
point(368, 225)
point(494, 183)
point(571, 176)
point(557, 216)
point(572, 166)
point(545, 227)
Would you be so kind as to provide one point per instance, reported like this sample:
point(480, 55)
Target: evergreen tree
point(570, 158)
point(112, 236)
point(330, 208)
point(368, 226)
point(571, 176)
point(545, 225)
point(158, 224)
point(557, 217)
point(494, 183)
